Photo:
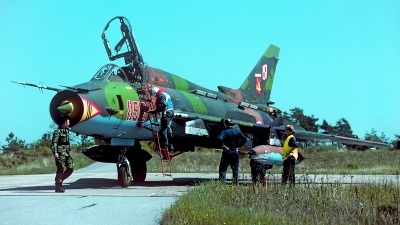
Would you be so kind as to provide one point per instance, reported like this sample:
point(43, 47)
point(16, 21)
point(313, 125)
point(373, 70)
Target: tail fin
point(256, 89)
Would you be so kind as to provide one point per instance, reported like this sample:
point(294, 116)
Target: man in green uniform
point(61, 151)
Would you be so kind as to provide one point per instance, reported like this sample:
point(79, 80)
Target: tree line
point(43, 144)
point(341, 128)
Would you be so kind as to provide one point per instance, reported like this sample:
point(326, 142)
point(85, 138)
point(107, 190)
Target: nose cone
point(66, 108)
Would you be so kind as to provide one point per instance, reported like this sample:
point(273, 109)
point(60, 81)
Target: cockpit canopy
point(110, 73)
point(119, 42)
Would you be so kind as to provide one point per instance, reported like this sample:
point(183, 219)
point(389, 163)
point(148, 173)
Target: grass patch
point(213, 203)
point(331, 162)
point(189, 162)
point(207, 161)
point(25, 162)
point(351, 162)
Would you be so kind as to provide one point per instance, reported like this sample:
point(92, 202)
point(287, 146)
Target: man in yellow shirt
point(289, 156)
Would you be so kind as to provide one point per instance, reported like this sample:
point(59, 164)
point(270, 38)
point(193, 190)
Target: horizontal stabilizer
point(223, 89)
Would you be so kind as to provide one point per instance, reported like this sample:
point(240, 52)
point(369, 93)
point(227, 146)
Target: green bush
point(352, 165)
point(43, 149)
point(35, 162)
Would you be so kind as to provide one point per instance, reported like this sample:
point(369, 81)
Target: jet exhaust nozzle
point(66, 104)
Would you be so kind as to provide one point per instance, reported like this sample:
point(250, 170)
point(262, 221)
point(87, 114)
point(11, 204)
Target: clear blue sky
point(338, 58)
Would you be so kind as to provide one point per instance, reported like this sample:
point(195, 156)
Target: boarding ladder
point(147, 103)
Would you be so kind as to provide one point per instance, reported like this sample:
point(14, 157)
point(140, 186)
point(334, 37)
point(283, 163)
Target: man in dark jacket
point(230, 140)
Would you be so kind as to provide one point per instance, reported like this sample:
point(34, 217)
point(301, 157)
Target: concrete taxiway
point(93, 195)
point(156, 185)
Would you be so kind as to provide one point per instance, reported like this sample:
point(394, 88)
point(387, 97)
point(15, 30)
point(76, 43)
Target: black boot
point(59, 187)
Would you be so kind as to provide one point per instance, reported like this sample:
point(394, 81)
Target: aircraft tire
point(139, 172)
point(123, 177)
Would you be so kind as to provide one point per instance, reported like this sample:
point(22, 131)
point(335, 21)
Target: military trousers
point(288, 170)
point(229, 158)
point(65, 167)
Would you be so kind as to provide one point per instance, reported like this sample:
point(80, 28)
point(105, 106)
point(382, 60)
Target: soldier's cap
point(228, 122)
point(154, 90)
point(290, 128)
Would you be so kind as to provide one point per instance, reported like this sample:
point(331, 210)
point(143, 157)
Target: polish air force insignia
point(258, 83)
point(263, 76)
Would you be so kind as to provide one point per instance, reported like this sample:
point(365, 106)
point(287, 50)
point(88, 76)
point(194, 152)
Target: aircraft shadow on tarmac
point(113, 183)
point(104, 183)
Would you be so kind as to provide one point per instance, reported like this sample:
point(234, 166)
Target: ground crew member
point(230, 140)
point(289, 156)
point(165, 106)
point(61, 150)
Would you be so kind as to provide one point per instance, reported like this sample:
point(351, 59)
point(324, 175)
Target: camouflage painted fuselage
point(113, 111)
point(109, 106)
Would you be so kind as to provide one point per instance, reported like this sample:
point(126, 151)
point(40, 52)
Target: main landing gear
point(131, 165)
point(124, 169)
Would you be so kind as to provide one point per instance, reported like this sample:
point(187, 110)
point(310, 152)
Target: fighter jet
point(114, 105)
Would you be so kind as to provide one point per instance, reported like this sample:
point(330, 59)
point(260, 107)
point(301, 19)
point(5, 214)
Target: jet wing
point(299, 134)
point(205, 125)
point(187, 116)
point(334, 138)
